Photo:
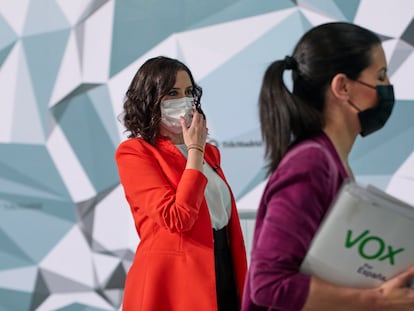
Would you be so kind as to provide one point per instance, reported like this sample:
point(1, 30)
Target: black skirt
point(227, 298)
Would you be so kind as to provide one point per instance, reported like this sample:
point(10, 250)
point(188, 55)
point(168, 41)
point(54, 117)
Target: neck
point(343, 142)
point(176, 139)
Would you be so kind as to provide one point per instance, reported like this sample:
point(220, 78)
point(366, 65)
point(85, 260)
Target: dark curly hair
point(153, 80)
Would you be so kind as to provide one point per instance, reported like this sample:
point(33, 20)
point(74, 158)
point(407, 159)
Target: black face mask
point(373, 119)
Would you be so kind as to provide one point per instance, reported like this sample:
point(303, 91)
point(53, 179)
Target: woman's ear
point(340, 86)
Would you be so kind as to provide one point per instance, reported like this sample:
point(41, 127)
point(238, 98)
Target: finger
point(404, 278)
point(409, 273)
point(201, 119)
point(183, 124)
point(196, 116)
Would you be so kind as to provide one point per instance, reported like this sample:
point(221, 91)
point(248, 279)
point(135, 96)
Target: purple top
point(296, 198)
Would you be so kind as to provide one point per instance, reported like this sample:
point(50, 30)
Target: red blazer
point(173, 268)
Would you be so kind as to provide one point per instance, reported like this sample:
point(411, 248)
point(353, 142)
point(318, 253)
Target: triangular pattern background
point(66, 235)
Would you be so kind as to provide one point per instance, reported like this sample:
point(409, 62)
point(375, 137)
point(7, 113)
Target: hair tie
point(290, 63)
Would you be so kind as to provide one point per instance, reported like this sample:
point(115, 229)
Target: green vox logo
point(371, 247)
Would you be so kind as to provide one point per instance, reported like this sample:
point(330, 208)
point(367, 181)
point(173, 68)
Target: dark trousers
point(225, 284)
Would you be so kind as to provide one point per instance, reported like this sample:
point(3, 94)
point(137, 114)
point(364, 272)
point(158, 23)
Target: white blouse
point(217, 195)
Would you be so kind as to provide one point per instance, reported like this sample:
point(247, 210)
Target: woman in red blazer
point(191, 255)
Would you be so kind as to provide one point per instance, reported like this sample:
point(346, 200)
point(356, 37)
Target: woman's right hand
point(392, 295)
point(196, 134)
point(395, 295)
point(195, 139)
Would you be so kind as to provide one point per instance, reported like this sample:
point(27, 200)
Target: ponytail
point(284, 118)
point(274, 100)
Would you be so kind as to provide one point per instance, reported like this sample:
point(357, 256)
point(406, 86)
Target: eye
point(172, 93)
point(383, 79)
point(189, 92)
point(383, 76)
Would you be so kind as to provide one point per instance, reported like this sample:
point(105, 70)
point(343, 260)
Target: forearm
point(195, 159)
point(393, 295)
point(327, 296)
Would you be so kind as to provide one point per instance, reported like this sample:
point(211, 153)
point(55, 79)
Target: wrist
point(197, 147)
point(372, 298)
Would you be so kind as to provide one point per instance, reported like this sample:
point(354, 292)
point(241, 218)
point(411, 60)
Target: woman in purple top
point(340, 89)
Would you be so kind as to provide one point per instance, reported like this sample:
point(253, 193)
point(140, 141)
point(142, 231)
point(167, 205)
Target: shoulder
point(133, 146)
point(310, 161)
point(318, 151)
point(306, 154)
point(304, 170)
point(131, 143)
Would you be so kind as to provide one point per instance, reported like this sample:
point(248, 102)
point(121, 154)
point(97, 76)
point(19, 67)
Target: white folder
point(366, 238)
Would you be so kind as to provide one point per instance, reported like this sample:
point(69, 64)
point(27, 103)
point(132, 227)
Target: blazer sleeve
point(294, 203)
point(148, 190)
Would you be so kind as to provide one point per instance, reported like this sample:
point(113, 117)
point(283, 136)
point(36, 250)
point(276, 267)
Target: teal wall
point(66, 235)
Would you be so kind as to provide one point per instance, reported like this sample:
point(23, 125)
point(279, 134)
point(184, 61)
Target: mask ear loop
point(366, 84)
point(353, 105)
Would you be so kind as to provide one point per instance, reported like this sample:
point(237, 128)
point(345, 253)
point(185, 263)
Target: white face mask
point(172, 109)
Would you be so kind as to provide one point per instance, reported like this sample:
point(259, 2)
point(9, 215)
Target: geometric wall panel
point(67, 238)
